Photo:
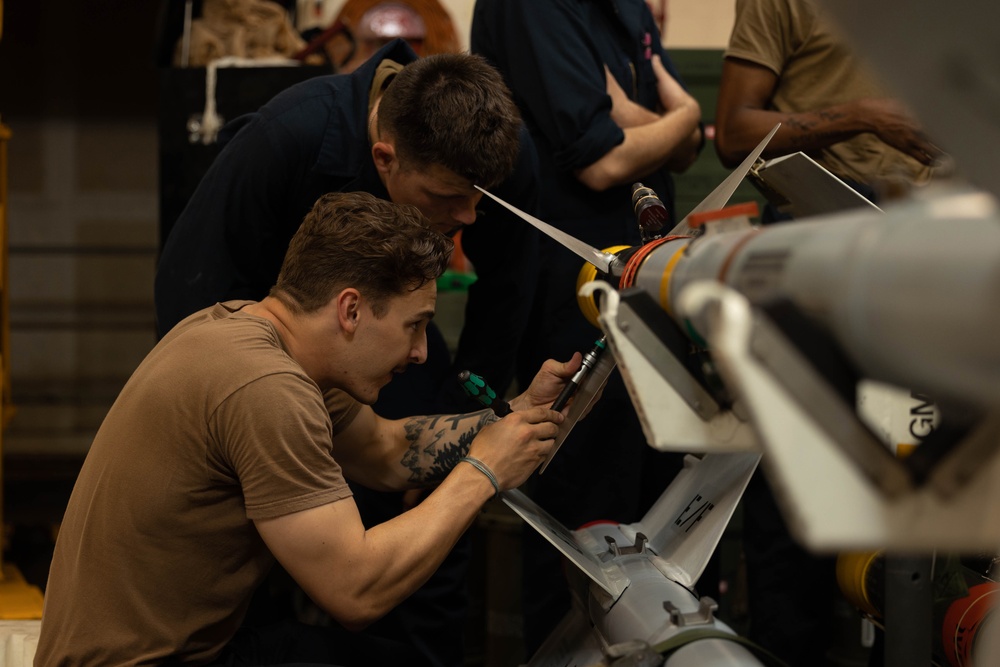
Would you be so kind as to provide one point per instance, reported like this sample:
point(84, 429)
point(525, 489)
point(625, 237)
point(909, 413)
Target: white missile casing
point(910, 295)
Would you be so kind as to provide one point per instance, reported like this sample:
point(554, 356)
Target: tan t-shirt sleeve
point(342, 408)
point(766, 32)
point(276, 435)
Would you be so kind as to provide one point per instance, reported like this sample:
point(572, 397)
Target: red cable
point(636, 260)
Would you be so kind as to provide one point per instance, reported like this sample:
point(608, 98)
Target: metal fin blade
point(602, 260)
point(719, 197)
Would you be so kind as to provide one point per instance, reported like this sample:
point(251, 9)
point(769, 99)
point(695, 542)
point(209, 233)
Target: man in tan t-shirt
point(228, 448)
point(786, 63)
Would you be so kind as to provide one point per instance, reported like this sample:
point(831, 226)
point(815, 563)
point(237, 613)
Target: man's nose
point(465, 213)
point(418, 354)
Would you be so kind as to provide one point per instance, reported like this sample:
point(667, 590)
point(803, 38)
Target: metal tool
point(589, 361)
point(477, 388)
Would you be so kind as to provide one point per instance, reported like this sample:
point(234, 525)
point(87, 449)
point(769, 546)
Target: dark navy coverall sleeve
point(574, 115)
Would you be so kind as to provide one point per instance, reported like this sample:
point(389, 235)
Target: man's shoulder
point(766, 32)
point(213, 313)
point(330, 89)
point(219, 334)
point(322, 91)
point(225, 352)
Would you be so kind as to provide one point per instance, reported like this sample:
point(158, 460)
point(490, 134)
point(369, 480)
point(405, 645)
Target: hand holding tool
point(589, 361)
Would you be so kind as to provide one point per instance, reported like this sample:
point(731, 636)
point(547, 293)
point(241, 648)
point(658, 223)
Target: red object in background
point(964, 619)
point(459, 262)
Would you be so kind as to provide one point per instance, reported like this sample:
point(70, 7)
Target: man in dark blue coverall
point(605, 109)
point(416, 131)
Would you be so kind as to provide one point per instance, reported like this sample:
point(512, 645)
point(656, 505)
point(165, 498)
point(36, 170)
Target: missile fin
point(719, 197)
point(685, 524)
point(602, 260)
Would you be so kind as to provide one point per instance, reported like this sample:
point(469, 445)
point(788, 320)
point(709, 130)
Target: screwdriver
point(477, 388)
point(589, 361)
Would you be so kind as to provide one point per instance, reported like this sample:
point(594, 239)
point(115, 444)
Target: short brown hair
point(354, 239)
point(453, 110)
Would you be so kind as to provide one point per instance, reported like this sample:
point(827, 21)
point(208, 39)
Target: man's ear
point(349, 309)
point(384, 155)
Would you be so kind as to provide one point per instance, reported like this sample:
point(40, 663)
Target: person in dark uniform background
point(447, 124)
point(605, 108)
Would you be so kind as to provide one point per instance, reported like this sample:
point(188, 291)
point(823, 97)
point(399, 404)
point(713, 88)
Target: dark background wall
point(93, 59)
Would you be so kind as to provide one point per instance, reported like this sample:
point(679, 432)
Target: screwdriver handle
point(477, 388)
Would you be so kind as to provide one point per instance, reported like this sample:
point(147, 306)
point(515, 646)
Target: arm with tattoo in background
point(744, 116)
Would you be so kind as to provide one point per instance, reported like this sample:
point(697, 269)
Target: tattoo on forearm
point(809, 133)
point(437, 442)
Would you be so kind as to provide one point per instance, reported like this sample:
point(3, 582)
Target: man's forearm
point(645, 149)
point(378, 567)
point(806, 131)
point(438, 442)
point(686, 152)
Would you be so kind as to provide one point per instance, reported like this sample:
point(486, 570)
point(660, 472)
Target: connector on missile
point(650, 212)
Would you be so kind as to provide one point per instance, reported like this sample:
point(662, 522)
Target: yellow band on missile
point(665, 280)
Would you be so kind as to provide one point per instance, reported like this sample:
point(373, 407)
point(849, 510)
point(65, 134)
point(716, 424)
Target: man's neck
point(283, 319)
point(299, 333)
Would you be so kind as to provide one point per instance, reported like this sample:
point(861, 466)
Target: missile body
point(653, 615)
point(909, 295)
